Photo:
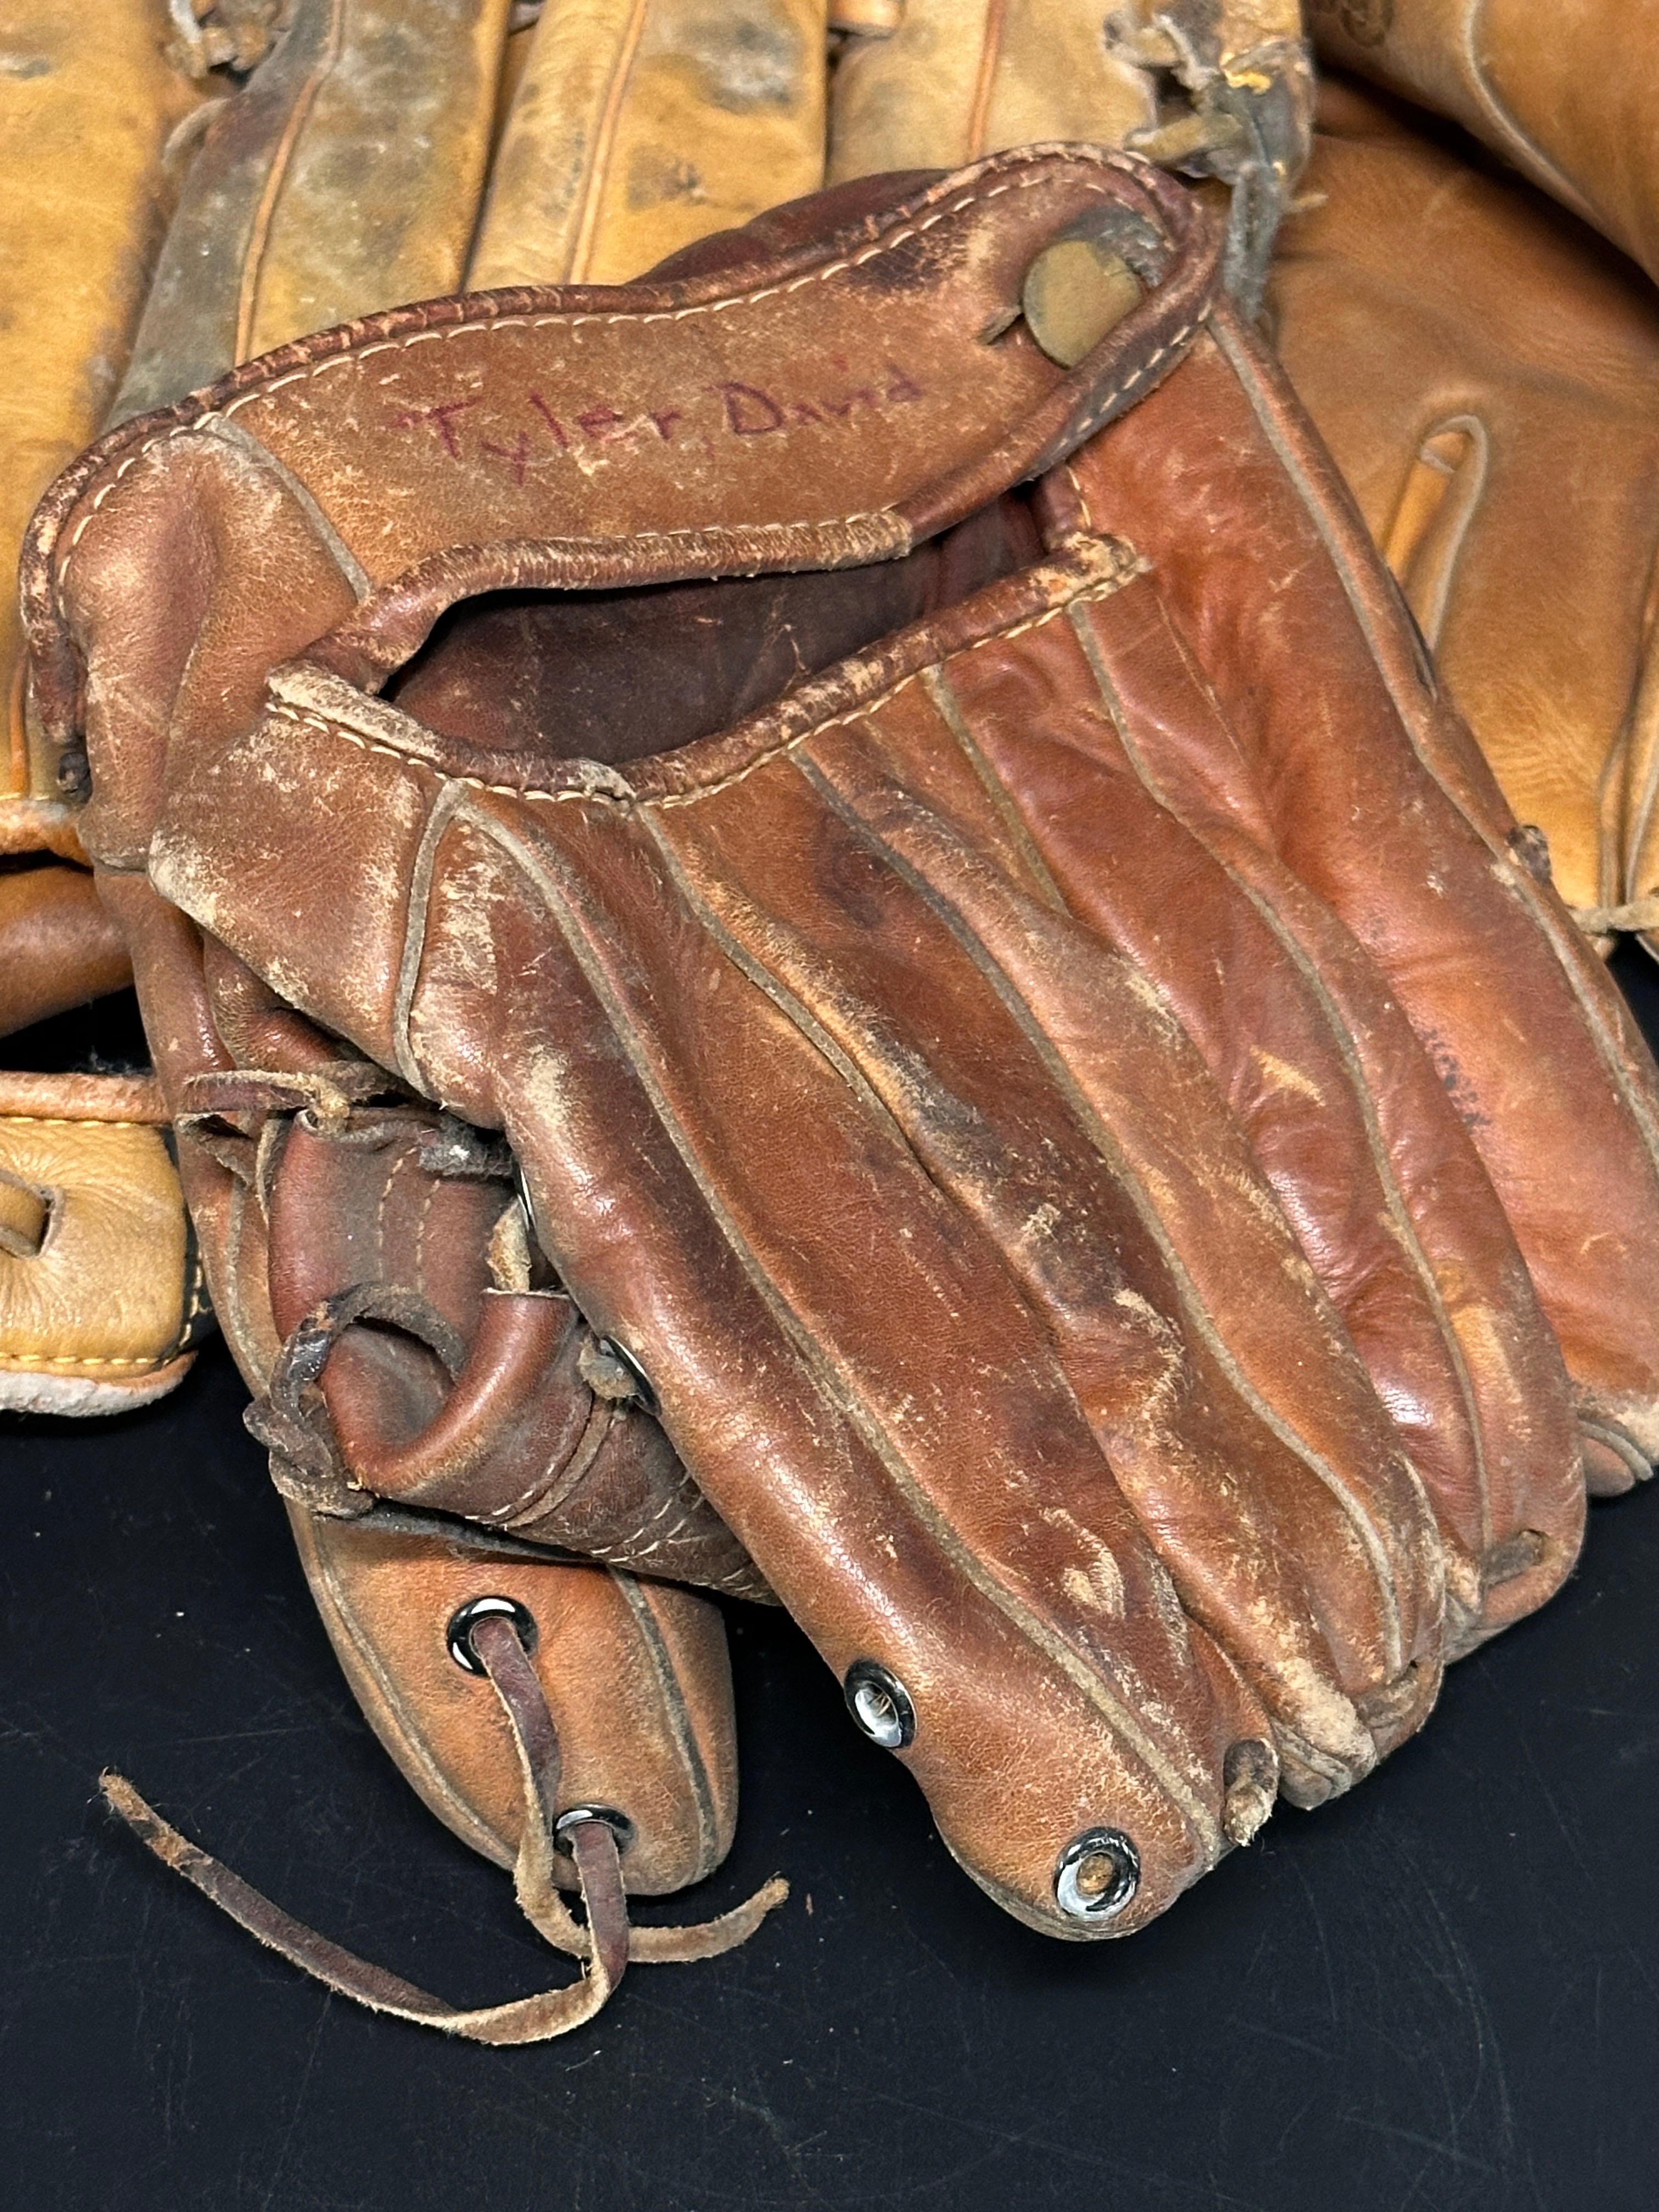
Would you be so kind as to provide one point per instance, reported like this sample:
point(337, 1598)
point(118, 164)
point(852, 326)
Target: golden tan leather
point(342, 178)
point(641, 125)
point(100, 1294)
point(1566, 91)
point(97, 1318)
point(1219, 89)
point(87, 103)
point(960, 78)
point(1486, 373)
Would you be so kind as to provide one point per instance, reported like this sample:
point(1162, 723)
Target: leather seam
point(627, 801)
point(575, 319)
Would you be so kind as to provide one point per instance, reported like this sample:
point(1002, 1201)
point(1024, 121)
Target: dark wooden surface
point(1440, 1995)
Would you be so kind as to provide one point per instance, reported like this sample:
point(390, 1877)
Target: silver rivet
point(621, 1826)
point(880, 1705)
point(458, 1634)
point(1099, 1872)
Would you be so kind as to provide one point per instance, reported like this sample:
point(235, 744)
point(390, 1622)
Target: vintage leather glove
point(1566, 96)
point(267, 241)
point(99, 1296)
point(1220, 88)
point(866, 1111)
point(1486, 372)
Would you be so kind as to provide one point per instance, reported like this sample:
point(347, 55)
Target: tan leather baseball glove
point(1487, 372)
point(1563, 95)
point(1009, 1042)
point(100, 1293)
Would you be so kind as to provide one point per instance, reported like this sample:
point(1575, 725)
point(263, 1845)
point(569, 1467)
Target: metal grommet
point(608, 1347)
point(1099, 1872)
point(619, 1824)
point(458, 1634)
point(880, 1705)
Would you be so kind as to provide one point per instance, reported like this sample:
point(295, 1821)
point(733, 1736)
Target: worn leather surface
point(638, 125)
point(1215, 89)
point(813, 1036)
point(100, 1287)
point(97, 1319)
point(1566, 97)
point(1496, 980)
point(290, 1210)
point(1484, 371)
point(343, 175)
point(88, 106)
point(960, 78)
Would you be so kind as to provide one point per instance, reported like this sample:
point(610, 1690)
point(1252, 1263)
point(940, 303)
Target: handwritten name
point(531, 433)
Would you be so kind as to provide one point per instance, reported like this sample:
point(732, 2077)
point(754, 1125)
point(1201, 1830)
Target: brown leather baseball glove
point(879, 774)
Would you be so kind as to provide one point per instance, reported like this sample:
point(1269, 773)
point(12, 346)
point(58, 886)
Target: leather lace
point(605, 1944)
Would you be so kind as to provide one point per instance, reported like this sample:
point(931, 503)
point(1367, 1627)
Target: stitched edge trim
point(1129, 565)
point(574, 319)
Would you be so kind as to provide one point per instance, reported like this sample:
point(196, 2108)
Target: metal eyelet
point(644, 1395)
point(880, 1705)
point(458, 1634)
point(1099, 1872)
point(619, 1824)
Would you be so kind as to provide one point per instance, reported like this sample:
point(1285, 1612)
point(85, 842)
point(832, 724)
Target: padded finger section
point(939, 981)
point(958, 77)
point(1342, 1110)
point(1369, 789)
point(343, 177)
point(802, 1309)
point(637, 128)
point(636, 1678)
point(102, 1299)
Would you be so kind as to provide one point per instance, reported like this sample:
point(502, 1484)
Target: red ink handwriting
point(730, 407)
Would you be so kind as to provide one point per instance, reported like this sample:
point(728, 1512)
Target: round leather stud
point(1075, 291)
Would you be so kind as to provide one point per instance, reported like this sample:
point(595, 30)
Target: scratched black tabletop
point(1440, 1995)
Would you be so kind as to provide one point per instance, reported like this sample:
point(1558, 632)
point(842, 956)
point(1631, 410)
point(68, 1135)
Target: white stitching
point(1099, 587)
point(1101, 155)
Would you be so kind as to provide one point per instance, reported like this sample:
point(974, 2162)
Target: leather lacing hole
point(619, 1823)
point(458, 1634)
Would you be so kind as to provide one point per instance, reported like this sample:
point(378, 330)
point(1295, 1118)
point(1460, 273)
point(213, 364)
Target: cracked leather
point(1159, 1383)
